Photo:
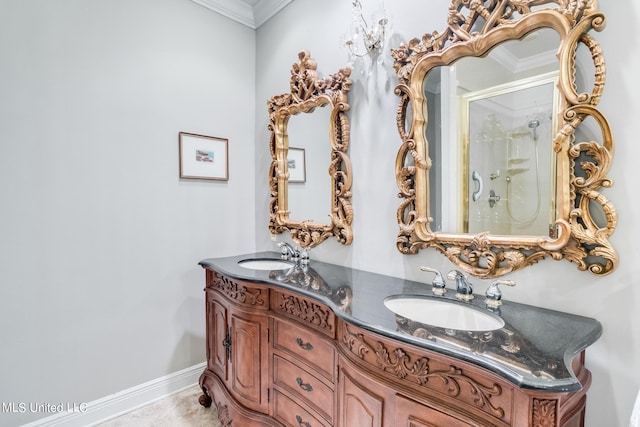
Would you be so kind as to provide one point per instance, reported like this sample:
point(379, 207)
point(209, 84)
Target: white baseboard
point(124, 401)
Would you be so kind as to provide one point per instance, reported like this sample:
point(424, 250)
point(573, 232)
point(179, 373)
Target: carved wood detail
point(223, 415)
point(544, 413)
point(407, 366)
point(237, 291)
point(207, 398)
point(306, 311)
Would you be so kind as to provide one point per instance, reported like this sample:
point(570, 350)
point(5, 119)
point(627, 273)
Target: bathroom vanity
point(315, 345)
point(322, 345)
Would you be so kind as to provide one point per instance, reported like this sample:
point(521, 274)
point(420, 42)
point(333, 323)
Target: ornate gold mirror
point(310, 136)
point(504, 151)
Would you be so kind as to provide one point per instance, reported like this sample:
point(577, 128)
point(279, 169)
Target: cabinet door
point(360, 407)
point(217, 329)
point(249, 360)
point(414, 414)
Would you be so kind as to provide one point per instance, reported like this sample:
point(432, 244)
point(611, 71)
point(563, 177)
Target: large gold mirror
point(310, 137)
point(504, 151)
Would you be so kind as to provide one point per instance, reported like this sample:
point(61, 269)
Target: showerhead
point(534, 123)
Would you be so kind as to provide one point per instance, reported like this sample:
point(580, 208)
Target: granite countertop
point(533, 349)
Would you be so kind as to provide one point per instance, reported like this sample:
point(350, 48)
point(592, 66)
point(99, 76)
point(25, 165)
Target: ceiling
point(251, 13)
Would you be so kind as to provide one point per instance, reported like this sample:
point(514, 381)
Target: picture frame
point(296, 164)
point(203, 157)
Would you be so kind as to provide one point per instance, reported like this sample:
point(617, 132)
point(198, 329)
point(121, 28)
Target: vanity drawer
point(304, 385)
point(306, 345)
point(290, 413)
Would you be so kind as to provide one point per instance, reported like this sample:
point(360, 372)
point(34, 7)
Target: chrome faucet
point(494, 294)
point(464, 290)
point(438, 285)
point(287, 251)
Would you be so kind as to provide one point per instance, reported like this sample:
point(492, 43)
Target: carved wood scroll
point(235, 290)
point(308, 312)
point(444, 379)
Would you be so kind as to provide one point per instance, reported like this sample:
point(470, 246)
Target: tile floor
point(177, 410)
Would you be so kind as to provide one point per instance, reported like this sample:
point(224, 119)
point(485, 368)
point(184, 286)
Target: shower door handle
point(478, 180)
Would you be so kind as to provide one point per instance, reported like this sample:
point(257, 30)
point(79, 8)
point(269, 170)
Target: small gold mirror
point(503, 154)
point(306, 125)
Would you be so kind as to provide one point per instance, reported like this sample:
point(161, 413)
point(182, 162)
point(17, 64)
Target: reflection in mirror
point(309, 186)
point(310, 136)
point(496, 170)
point(508, 136)
point(503, 124)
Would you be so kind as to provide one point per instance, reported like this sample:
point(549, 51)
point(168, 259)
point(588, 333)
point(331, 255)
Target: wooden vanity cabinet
point(276, 357)
point(237, 329)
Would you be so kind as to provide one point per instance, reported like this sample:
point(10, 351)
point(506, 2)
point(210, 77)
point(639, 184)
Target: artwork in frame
point(296, 165)
point(203, 157)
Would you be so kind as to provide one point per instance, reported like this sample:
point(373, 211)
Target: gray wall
point(614, 300)
point(99, 239)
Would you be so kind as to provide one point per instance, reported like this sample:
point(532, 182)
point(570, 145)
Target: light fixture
point(364, 40)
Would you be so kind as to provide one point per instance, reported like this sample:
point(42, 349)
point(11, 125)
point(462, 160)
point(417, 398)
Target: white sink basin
point(443, 313)
point(265, 264)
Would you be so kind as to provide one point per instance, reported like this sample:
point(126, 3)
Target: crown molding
point(517, 65)
point(243, 13)
point(265, 9)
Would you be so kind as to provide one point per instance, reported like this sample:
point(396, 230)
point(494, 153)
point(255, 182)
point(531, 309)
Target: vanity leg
point(205, 398)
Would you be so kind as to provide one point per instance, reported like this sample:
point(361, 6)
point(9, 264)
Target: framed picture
point(204, 157)
point(296, 165)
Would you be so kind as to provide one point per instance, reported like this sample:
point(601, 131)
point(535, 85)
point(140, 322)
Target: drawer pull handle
point(300, 423)
point(305, 387)
point(304, 346)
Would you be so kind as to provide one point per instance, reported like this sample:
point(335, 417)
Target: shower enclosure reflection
point(508, 132)
point(498, 131)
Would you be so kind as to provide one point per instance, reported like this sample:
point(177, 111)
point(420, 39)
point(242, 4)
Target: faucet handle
point(494, 294)
point(304, 256)
point(438, 285)
point(286, 251)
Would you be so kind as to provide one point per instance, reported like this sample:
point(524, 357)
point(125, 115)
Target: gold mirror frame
point(473, 29)
point(309, 92)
